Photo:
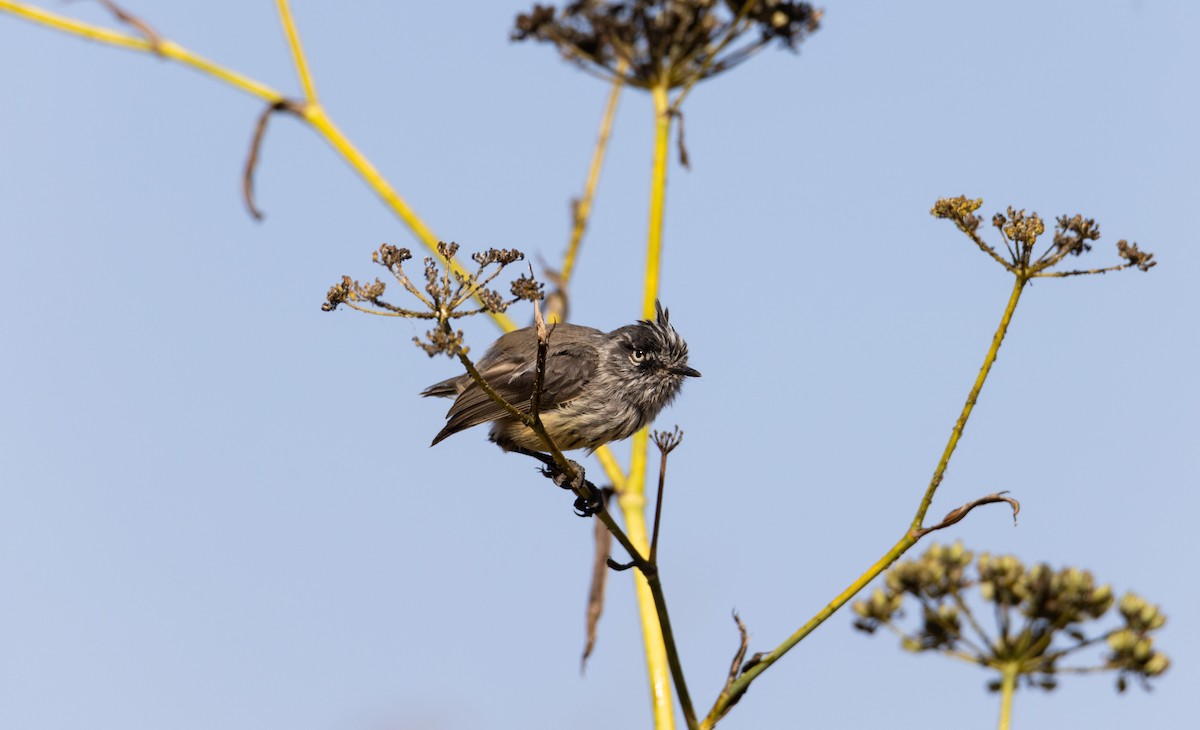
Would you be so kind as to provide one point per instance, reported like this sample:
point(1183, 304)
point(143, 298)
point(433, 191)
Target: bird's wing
point(569, 368)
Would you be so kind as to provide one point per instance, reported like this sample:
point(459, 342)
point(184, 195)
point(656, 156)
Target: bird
point(598, 386)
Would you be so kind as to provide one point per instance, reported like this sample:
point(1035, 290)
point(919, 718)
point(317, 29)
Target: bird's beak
point(685, 370)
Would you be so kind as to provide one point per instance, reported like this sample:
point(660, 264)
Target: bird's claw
point(585, 506)
point(589, 505)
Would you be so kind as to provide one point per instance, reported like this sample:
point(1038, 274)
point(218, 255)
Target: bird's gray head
point(646, 363)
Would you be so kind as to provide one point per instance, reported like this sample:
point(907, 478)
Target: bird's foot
point(590, 502)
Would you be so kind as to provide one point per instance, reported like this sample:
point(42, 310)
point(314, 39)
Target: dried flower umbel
point(672, 42)
point(1073, 236)
point(1045, 618)
point(446, 290)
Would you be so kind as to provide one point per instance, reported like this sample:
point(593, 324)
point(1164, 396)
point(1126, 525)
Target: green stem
point(734, 691)
point(1008, 687)
point(664, 620)
point(742, 683)
point(940, 472)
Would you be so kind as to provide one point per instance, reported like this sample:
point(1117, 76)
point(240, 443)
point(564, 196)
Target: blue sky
point(220, 509)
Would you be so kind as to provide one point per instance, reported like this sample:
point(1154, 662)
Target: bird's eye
point(638, 355)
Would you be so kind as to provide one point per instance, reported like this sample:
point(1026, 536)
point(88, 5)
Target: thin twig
point(582, 208)
point(743, 645)
point(595, 604)
point(931, 612)
point(956, 515)
point(1082, 670)
point(584, 61)
point(539, 371)
point(672, 651)
point(410, 287)
point(393, 310)
point(738, 56)
point(260, 131)
point(706, 64)
point(1078, 272)
point(965, 610)
point(153, 37)
point(983, 246)
point(1012, 254)
point(908, 639)
point(666, 443)
point(910, 538)
point(735, 667)
point(1052, 657)
point(682, 146)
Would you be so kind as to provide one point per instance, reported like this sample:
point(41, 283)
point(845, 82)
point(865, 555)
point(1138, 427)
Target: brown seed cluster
point(652, 42)
point(447, 288)
point(1045, 618)
point(1073, 236)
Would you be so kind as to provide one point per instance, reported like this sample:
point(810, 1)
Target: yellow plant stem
point(298, 57)
point(657, 666)
point(658, 196)
point(631, 498)
point(313, 113)
point(668, 637)
point(1008, 687)
point(604, 455)
point(166, 48)
point(910, 538)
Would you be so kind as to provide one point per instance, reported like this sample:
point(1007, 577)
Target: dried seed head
point(1135, 257)
point(1072, 235)
point(447, 290)
point(440, 342)
point(492, 301)
point(1060, 608)
point(961, 210)
point(1024, 230)
point(391, 256)
point(671, 41)
point(527, 288)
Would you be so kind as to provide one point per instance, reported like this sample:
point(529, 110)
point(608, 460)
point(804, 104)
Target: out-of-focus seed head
point(651, 42)
point(1045, 616)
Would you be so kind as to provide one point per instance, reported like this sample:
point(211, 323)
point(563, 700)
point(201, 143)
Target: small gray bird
point(598, 387)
